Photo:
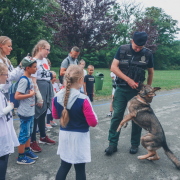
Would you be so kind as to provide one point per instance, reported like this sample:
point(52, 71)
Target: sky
point(170, 7)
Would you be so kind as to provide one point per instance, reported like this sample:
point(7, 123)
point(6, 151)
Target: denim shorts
point(26, 128)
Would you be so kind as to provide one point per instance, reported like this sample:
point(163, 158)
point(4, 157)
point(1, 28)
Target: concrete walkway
point(120, 166)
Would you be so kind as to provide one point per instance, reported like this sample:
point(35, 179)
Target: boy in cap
point(26, 110)
point(129, 65)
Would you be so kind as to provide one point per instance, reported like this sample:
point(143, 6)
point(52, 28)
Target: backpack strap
point(28, 87)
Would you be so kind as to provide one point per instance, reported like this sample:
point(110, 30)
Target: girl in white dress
point(77, 115)
point(8, 138)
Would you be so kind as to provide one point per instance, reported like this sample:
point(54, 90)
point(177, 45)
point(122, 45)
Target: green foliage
point(57, 56)
point(168, 57)
point(21, 21)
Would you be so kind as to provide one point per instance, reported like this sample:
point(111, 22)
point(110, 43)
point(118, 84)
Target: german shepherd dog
point(142, 114)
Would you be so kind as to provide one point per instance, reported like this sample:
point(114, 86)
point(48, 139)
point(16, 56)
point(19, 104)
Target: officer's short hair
point(75, 48)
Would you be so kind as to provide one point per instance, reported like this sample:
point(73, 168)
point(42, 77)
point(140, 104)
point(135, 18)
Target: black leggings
point(3, 166)
point(49, 118)
point(65, 167)
point(41, 124)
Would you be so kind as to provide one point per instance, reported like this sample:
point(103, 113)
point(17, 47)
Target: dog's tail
point(171, 156)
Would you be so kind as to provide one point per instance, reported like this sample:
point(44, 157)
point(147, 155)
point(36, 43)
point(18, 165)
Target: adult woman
point(13, 73)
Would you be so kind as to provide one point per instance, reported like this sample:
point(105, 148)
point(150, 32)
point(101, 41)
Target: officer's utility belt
point(135, 73)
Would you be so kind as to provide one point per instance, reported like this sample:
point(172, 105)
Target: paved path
point(120, 166)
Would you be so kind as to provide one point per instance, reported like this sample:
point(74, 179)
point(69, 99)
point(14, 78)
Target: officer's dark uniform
point(133, 64)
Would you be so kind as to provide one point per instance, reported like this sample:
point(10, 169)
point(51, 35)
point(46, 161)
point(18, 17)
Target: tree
point(21, 21)
point(167, 27)
point(86, 24)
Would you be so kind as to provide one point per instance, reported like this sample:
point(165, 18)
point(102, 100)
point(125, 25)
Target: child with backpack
point(77, 115)
point(26, 110)
point(8, 138)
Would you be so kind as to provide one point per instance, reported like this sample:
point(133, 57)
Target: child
point(44, 93)
point(89, 83)
point(76, 113)
point(50, 122)
point(82, 64)
point(26, 110)
point(13, 73)
point(8, 138)
point(113, 76)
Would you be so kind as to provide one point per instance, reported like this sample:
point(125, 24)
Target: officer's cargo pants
point(121, 97)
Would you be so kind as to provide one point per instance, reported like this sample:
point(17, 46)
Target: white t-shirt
point(8, 137)
point(13, 75)
point(56, 87)
point(82, 88)
point(43, 70)
point(113, 75)
point(85, 72)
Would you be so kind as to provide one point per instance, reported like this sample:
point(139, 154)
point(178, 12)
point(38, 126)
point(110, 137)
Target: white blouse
point(13, 75)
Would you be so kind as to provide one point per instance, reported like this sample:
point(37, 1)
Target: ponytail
point(72, 76)
point(65, 116)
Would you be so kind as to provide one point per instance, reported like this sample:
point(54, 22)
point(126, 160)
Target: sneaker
point(53, 124)
point(34, 147)
point(30, 154)
point(110, 150)
point(46, 140)
point(109, 114)
point(23, 159)
point(47, 129)
point(49, 126)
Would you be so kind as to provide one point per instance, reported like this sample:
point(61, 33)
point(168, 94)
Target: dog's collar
point(141, 100)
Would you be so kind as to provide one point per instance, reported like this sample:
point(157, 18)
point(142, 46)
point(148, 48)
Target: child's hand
point(31, 92)
point(86, 93)
point(40, 103)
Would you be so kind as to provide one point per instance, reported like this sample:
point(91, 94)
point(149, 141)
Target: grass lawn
point(165, 79)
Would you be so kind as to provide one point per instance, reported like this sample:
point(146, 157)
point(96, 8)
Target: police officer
point(129, 65)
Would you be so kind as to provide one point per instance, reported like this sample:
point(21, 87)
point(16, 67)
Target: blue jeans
point(26, 128)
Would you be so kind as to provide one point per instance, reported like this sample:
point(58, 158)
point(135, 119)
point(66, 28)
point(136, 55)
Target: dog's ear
point(156, 88)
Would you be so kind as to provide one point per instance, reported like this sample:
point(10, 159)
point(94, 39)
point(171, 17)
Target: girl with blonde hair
point(13, 73)
point(76, 116)
point(44, 93)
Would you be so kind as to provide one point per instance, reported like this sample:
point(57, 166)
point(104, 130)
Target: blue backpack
point(13, 89)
